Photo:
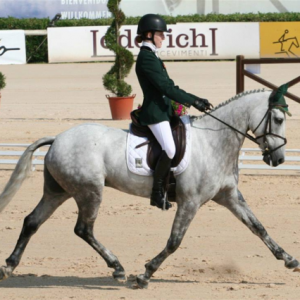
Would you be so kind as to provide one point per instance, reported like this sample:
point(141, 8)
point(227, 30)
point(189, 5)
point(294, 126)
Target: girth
point(154, 148)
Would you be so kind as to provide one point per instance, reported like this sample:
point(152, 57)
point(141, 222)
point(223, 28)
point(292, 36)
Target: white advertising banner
point(12, 47)
point(94, 9)
point(184, 41)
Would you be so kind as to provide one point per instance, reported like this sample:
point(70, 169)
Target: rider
point(158, 90)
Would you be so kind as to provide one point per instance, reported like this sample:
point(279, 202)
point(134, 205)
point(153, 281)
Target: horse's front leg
point(236, 203)
point(184, 215)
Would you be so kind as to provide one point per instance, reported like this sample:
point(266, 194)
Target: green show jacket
point(158, 89)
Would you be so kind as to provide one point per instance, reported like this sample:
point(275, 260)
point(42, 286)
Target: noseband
point(266, 150)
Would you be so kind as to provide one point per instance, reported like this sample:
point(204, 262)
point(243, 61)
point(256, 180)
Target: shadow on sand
point(101, 283)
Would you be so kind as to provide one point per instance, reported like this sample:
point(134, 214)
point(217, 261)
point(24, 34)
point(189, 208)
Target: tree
point(114, 79)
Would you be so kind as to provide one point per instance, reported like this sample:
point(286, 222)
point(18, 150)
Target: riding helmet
point(151, 22)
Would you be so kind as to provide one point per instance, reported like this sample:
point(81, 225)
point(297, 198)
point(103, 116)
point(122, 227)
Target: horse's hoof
point(297, 269)
point(142, 282)
point(5, 272)
point(292, 264)
point(119, 276)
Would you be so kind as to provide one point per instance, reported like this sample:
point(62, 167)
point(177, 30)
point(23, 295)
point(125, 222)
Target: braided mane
point(236, 97)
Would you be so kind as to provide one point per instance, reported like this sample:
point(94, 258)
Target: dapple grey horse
point(83, 160)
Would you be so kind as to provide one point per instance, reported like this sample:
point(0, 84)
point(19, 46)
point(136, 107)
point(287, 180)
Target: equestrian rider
point(158, 90)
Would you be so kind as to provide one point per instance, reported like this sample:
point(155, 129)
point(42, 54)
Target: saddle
point(154, 148)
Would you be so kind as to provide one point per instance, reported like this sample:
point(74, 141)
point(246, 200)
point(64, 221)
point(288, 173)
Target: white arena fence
point(250, 158)
point(9, 155)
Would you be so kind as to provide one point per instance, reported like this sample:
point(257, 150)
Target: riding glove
point(202, 104)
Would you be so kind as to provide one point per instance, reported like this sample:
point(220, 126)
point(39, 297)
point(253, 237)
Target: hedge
point(2, 82)
point(32, 42)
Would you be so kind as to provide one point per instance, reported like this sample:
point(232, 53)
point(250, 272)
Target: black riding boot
point(160, 173)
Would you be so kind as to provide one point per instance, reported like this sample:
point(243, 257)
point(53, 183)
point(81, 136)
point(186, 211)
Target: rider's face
point(158, 38)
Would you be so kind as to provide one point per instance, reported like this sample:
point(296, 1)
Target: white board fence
point(250, 158)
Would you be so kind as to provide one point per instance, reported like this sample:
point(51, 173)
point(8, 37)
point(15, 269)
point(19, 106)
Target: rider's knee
point(170, 150)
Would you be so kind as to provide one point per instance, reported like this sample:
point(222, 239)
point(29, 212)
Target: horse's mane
point(236, 97)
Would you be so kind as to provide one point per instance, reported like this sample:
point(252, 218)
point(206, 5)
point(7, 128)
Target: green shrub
point(113, 80)
point(2, 81)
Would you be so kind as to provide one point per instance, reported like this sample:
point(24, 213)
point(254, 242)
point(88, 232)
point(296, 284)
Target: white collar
point(151, 46)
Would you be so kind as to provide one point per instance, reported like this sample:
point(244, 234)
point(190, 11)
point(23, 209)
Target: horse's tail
point(21, 171)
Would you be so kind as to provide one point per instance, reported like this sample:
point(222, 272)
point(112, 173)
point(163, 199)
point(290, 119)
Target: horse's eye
point(278, 121)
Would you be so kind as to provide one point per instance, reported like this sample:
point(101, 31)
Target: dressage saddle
point(154, 148)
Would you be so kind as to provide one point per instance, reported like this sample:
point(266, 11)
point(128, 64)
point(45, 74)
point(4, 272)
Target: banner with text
point(12, 47)
point(93, 9)
point(184, 41)
point(280, 39)
point(69, 9)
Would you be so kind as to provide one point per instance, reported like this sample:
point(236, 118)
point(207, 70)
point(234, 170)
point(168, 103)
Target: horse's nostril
point(280, 161)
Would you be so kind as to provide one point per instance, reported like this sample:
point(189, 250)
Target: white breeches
point(163, 134)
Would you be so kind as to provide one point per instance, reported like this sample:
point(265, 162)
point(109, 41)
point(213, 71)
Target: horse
point(88, 157)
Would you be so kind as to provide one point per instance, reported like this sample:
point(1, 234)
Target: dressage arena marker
point(247, 160)
point(241, 73)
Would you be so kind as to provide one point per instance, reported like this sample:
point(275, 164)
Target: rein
point(247, 135)
point(266, 150)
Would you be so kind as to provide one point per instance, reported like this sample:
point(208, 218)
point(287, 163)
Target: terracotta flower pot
point(120, 107)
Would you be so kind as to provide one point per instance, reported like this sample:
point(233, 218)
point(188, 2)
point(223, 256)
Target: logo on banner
point(178, 45)
point(287, 45)
point(3, 49)
point(12, 47)
point(280, 39)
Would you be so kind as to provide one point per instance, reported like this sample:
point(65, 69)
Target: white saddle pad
point(136, 157)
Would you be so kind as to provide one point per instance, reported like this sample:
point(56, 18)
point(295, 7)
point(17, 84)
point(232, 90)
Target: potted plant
point(2, 83)
point(121, 103)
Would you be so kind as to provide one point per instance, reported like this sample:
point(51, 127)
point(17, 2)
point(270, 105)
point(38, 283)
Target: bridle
point(267, 130)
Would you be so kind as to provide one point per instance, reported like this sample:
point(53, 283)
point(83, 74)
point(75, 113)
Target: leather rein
point(266, 150)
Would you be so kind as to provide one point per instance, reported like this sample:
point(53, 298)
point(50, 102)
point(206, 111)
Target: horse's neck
point(233, 112)
point(236, 113)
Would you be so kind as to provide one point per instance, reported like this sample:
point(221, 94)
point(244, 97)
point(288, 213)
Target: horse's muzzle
point(273, 160)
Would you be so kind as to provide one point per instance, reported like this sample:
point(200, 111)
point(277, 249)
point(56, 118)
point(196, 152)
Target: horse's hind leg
point(88, 205)
point(53, 197)
point(235, 202)
point(32, 222)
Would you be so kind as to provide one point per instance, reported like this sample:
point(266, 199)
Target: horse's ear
point(277, 95)
point(277, 98)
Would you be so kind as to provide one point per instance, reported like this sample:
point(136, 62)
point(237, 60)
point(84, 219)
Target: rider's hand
point(202, 104)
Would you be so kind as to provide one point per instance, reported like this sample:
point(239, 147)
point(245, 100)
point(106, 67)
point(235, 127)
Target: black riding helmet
point(151, 23)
